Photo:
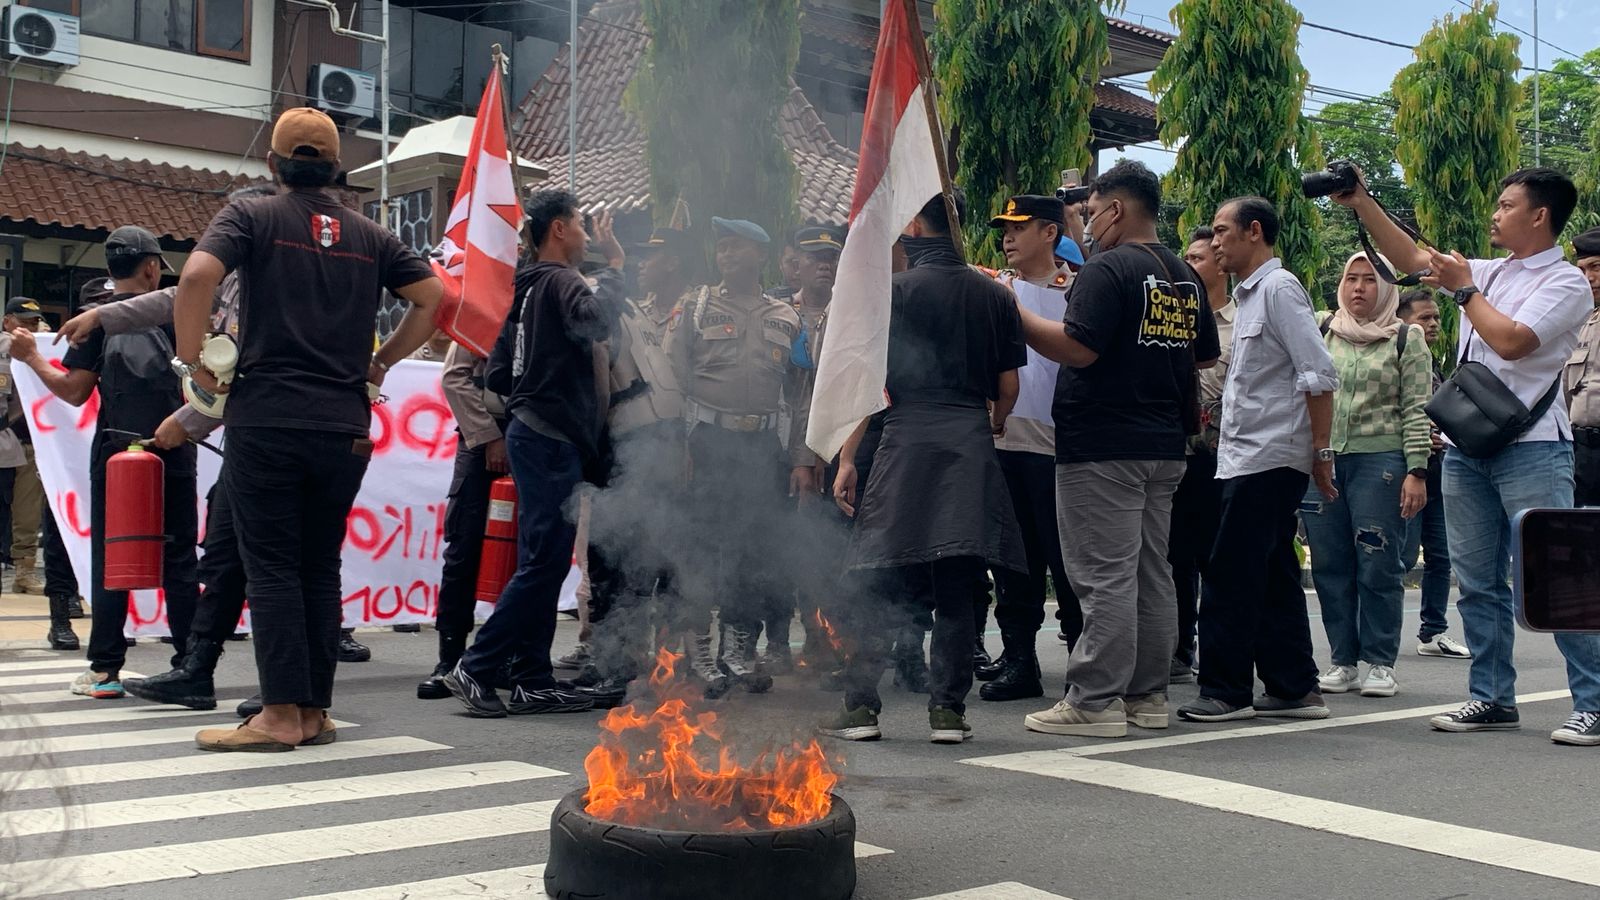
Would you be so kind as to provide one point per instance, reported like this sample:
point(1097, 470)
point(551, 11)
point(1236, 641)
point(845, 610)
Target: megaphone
point(219, 355)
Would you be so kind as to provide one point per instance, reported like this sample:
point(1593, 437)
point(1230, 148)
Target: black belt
point(947, 397)
point(1584, 434)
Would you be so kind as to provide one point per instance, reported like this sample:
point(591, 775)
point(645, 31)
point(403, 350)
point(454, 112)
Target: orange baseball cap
point(305, 133)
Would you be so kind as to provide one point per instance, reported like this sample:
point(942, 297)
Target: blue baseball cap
point(1068, 249)
point(740, 228)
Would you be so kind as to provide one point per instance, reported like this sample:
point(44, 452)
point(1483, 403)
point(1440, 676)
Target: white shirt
point(1552, 299)
point(1031, 426)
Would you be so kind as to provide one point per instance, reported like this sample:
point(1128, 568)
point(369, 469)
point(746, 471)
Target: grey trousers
point(1115, 518)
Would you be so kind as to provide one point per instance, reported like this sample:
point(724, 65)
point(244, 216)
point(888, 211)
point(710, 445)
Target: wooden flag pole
point(925, 76)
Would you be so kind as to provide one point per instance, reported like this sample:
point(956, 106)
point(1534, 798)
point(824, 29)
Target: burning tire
point(595, 859)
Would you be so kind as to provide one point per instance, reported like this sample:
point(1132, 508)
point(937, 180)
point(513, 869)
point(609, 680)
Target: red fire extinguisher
point(135, 513)
point(498, 561)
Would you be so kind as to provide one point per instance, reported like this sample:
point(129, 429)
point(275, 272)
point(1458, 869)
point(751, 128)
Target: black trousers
point(464, 516)
point(1586, 466)
point(737, 494)
point(1253, 619)
point(222, 579)
point(889, 601)
point(179, 579)
point(291, 491)
point(1019, 598)
point(8, 480)
point(59, 580)
point(1196, 511)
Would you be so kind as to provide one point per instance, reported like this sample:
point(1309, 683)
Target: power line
point(1527, 33)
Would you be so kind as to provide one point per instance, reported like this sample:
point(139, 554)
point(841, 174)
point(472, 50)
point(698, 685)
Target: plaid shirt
point(1381, 397)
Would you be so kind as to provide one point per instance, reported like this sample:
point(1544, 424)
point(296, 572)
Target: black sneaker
point(1582, 730)
point(178, 687)
point(1478, 716)
point(1210, 709)
point(555, 699)
point(433, 687)
point(1311, 706)
point(352, 650)
point(608, 692)
point(248, 708)
point(481, 702)
point(408, 628)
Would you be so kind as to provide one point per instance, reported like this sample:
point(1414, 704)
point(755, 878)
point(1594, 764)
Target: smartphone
point(1071, 177)
point(1555, 569)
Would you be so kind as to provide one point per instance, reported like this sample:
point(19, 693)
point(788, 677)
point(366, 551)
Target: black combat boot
point(188, 684)
point(703, 663)
point(451, 646)
point(1019, 678)
point(991, 671)
point(737, 659)
point(61, 635)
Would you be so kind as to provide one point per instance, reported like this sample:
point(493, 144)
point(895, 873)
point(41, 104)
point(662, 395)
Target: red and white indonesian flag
point(480, 239)
point(898, 173)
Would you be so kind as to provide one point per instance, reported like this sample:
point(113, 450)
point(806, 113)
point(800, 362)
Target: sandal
point(242, 739)
point(327, 735)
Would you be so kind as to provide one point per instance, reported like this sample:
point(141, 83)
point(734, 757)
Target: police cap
point(1026, 207)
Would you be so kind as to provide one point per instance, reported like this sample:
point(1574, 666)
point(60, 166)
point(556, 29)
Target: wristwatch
point(1325, 455)
point(1418, 472)
point(1465, 294)
point(181, 368)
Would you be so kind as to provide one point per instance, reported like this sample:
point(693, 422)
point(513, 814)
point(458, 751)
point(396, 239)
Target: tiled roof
point(1115, 99)
point(77, 190)
point(614, 173)
point(1124, 25)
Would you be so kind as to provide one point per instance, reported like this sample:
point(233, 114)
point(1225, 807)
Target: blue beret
point(740, 228)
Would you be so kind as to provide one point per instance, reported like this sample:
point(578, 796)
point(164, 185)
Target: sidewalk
point(24, 619)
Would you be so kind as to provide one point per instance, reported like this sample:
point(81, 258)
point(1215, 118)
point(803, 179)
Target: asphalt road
point(1375, 806)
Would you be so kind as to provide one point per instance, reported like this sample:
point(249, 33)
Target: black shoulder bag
point(1479, 414)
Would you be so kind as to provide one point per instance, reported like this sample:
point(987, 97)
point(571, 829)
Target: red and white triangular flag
point(480, 238)
point(897, 174)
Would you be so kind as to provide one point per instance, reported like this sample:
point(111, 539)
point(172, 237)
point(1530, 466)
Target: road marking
point(110, 740)
point(172, 807)
point(202, 763)
point(30, 665)
point(63, 679)
point(1490, 848)
point(38, 877)
point(59, 695)
point(529, 881)
point(103, 712)
point(1228, 734)
point(1005, 890)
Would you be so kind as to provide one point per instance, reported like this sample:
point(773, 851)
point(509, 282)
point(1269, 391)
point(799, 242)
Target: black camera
point(1072, 196)
point(1341, 176)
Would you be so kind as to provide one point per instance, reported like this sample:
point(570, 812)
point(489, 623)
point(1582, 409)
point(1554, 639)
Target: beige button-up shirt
point(1580, 378)
point(733, 354)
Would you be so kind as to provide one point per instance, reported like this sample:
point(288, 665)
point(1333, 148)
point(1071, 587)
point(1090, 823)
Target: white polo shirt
point(1552, 299)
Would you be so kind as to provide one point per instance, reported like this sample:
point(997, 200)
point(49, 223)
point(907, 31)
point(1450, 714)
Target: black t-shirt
point(1148, 333)
point(952, 331)
point(137, 386)
point(315, 273)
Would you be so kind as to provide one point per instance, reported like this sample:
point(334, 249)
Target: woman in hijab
point(1381, 442)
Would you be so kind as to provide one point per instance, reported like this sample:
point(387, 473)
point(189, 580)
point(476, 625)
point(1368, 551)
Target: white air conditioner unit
point(39, 36)
point(343, 92)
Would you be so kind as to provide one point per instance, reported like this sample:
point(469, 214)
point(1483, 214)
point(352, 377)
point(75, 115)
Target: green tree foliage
point(1458, 135)
point(1016, 81)
point(709, 94)
point(1230, 89)
point(1569, 96)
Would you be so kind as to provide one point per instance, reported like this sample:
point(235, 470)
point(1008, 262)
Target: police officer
point(1581, 379)
point(634, 517)
point(732, 347)
point(1031, 227)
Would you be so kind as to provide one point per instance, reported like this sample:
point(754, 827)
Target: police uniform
point(633, 519)
point(1580, 379)
point(1027, 459)
point(734, 358)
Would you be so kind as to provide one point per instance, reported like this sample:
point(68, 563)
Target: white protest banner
point(394, 543)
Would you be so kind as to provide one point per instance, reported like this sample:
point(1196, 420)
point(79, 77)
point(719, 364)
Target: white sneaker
point(1443, 645)
point(1337, 680)
point(1379, 682)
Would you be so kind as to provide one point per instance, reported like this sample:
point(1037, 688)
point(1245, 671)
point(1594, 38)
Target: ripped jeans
point(1356, 546)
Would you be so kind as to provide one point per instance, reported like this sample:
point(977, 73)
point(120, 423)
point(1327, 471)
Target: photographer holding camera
point(1519, 324)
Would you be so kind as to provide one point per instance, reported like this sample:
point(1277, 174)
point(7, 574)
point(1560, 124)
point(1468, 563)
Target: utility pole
point(1536, 116)
point(572, 101)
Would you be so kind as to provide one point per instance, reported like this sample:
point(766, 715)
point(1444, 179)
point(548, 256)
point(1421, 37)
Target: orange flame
point(827, 628)
point(648, 770)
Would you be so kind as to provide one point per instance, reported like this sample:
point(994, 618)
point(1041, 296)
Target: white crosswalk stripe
point(111, 740)
point(60, 695)
point(34, 665)
point(101, 713)
point(61, 678)
point(273, 796)
point(207, 763)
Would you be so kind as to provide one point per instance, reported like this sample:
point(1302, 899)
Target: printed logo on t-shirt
point(325, 229)
point(1171, 314)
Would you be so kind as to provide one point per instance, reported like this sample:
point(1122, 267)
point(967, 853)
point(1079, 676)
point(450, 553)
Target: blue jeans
point(1483, 495)
point(1356, 542)
point(1428, 538)
point(523, 624)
